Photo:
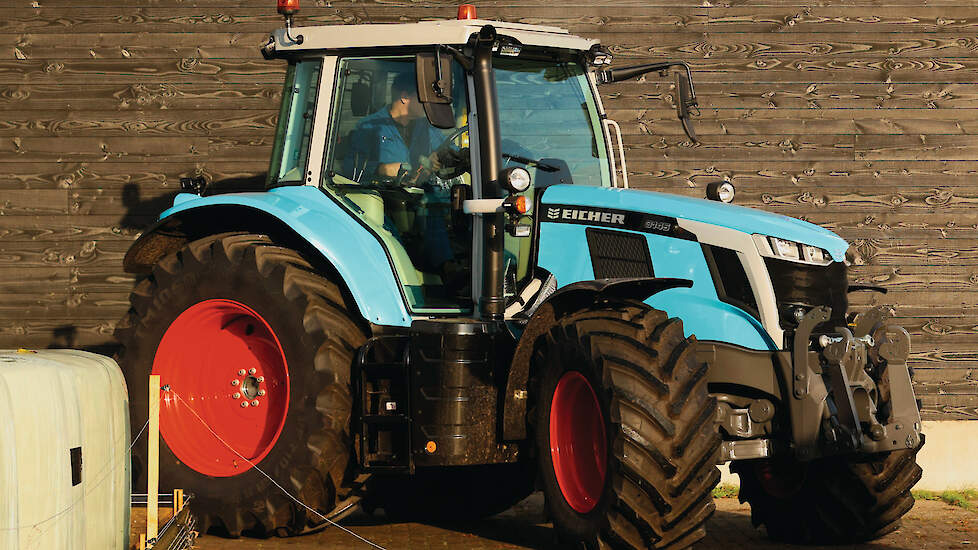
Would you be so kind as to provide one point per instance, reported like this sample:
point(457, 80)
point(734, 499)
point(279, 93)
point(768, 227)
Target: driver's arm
point(389, 169)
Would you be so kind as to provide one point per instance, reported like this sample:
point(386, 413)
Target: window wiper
point(530, 162)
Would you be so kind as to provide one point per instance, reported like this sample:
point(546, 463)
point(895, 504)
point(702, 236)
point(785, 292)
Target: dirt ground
point(930, 525)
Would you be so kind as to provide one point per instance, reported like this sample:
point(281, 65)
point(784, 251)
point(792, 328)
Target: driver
point(398, 143)
point(396, 140)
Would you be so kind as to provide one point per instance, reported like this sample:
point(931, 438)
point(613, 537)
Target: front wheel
point(624, 429)
point(835, 500)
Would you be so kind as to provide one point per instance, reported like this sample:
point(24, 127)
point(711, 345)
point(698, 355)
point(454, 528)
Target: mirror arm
point(437, 85)
point(684, 105)
point(467, 62)
point(617, 75)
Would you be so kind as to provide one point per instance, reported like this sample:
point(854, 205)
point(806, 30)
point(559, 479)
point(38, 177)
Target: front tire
point(624, 429)
point(256, 349)
point(832, 500)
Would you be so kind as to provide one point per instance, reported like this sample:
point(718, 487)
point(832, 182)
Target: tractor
point(444, 296)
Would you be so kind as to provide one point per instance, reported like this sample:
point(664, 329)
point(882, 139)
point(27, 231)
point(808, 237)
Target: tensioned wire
point(262, 472)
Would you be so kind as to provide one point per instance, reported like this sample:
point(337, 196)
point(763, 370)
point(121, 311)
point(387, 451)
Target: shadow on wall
point(141, 213)
point(65, 336)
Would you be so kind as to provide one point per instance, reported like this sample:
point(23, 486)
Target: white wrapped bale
point(64, 451)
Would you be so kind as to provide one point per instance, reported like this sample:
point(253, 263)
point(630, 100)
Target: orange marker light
point(465, 11)
point(520, 205)
point(288, 7)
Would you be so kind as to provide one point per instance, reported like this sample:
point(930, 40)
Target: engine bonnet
point(740, 218)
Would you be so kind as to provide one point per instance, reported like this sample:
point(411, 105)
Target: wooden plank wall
point(859, 115)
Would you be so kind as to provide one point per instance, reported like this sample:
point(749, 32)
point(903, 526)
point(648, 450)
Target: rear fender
point(570, 298)
point(302, 217)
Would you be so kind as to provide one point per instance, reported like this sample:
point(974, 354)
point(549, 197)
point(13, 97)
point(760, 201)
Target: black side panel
point(615, 254)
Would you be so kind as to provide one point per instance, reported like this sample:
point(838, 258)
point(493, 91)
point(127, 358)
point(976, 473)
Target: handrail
point(621, 154)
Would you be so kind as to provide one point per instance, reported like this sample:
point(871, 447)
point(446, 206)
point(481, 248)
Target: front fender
point(570, 298)
point(356, 254)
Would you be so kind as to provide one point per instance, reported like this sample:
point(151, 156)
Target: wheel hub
point(578, 442)
point(225, 362)
point(250, 387)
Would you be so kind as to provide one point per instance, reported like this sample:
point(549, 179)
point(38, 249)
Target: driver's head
point(404, 95)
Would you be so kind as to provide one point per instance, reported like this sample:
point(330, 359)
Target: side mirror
point(685, 103)
point(434, 72)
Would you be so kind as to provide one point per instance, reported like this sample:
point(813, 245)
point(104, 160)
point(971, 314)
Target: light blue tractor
point(445, 296)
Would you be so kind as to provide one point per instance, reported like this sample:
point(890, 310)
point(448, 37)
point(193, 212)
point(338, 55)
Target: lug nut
point(244, 404)
point(261, 378)
point(235, 382)
point(236, 395)
point(241, 372)
point(252, 370)
point(254, 403)
point(261, 392)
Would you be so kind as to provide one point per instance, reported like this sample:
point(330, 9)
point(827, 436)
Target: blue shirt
point(377, 139)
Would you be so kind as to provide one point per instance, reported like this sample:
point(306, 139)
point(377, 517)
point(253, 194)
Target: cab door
point(395, 172)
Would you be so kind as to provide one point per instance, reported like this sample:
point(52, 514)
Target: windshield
point(548, 116)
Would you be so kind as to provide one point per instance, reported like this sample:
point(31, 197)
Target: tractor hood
point(740, 218)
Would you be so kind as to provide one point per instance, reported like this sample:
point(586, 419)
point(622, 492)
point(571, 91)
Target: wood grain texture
point(860, 116)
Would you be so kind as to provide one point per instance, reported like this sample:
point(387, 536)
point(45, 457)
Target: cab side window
point(292, 136)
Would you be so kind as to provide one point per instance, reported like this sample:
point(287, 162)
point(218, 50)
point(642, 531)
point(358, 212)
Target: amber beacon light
point(288, 9)
point(466, 11)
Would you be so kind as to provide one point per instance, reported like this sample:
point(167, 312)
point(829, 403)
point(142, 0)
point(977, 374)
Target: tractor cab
point(386, 120)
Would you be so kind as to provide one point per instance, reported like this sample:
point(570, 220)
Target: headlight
point(515, 179)
point(789, 250)
point(722, 191)
point(774, 247)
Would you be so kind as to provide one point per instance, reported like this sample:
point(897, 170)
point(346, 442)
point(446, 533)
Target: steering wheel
point(461, 156)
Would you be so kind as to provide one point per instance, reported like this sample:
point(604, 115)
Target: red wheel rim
point(578, 446)
point(226, 364)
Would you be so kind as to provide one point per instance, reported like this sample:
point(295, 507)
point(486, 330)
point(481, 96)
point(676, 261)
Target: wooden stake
point(177, 500)
point(153, 459)
point(142, 541)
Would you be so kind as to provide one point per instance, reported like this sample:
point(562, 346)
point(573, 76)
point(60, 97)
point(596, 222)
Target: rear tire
point(832, 500)
point(216, 307)
point(624, 429)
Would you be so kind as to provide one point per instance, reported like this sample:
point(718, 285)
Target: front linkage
point(840, 393)
point(852, 392)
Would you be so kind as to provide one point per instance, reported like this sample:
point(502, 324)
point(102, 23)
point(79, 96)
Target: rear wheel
point(829, 501)
point(256, 350)
point(624, 429)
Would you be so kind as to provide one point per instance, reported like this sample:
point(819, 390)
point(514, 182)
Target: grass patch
point(963, 498)
point(725, 491)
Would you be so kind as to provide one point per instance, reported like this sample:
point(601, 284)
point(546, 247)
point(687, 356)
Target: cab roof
point(449, 32)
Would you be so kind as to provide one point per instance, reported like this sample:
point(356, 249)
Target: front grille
point(618, 254)
point(807, 286)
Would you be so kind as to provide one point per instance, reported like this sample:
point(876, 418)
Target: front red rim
point(578, 445)
point(226, 364)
